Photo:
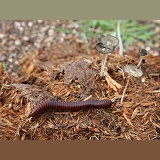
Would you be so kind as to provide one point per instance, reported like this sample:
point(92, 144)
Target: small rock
point(39, 21)
point(148, 48)
point(30, 24)
point(10, 60)
point(2, 35)
point(11, 66)
point(21, 29)
point(50, 32)
point(16, 62)
point(23, 24)
point(17, 24)
point(17, 42)
point(25, 38)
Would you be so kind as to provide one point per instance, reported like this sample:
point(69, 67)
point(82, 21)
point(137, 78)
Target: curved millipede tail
point(70, 106)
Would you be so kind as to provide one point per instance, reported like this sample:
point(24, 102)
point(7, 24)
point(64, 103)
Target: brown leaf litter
point(65, 74)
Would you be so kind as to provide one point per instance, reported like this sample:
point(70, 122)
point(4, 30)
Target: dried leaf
point(35, 126)
point(112, 83)
point(6, 121)
point(23, 136)
point(155, 124)
point(134, 114)
point(147, 104)
point(30, 69)
point(127, 119)
point(94, 129)
point(28, 109)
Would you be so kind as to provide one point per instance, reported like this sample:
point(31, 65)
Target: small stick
point(104, 60)
point(124, 90)
point(89, 97)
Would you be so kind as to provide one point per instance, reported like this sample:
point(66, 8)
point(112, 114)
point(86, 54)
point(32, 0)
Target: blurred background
point(132, 32)
point(17, 37)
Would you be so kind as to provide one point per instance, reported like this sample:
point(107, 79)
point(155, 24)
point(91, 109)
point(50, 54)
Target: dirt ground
point(37, 64)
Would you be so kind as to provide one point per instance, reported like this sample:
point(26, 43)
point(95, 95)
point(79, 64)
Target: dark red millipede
point(69, 106)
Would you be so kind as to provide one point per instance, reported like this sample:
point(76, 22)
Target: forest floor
point(37, 64)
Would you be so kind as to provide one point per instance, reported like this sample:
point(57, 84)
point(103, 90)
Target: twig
point(156, 91)
point(89, 97)
point(128, 120)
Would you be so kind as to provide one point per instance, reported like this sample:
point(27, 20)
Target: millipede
point(69, 106)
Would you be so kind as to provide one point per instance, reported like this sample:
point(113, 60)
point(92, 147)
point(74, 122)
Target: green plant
point(131, 31)
point(4, 66)
point(84, 37)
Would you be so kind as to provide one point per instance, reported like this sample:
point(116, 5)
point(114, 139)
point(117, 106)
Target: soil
point(37, 64)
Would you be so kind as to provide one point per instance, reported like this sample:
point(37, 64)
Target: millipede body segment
point(69, 106)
